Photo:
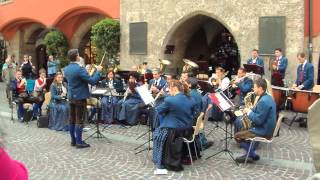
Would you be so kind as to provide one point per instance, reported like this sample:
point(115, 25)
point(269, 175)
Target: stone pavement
point(48, 155)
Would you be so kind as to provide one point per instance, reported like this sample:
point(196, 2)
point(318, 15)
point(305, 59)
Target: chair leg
point(195, 149)
point(271, 151)
point(190, 153)
point(245, 162)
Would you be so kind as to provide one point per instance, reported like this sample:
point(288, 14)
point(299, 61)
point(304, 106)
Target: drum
point(301, 100)
point(279, 95)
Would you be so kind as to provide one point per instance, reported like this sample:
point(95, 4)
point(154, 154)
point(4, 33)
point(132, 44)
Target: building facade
point(192, 29)
point(24, 24)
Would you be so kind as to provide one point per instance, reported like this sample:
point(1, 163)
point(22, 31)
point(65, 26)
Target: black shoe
point(242, 159)
point(256, 158)
point(73, 143)
point(83, 145)
point(208, 145)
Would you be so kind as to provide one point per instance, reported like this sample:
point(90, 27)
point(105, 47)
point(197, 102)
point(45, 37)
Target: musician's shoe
point(256, 158)
point(242, 159)
point(73, 143)
point(83, 145)
point(208, 145)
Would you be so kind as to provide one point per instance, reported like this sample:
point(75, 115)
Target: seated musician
point(178, 111)
point(157, 83)
point(109, 102)
point(18, 87)
point(305, 73)
point(242, 84)
point(38, 92)
point(59, 107)
point(279, 67)
point(262, 118)
point(184, 77)
point(131, 105)
point(221, 82)
point(255, 59)
point(195, 94)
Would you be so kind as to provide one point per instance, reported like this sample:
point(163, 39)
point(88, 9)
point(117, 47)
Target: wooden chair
point(195, 133)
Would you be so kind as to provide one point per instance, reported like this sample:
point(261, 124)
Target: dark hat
point(72, 54)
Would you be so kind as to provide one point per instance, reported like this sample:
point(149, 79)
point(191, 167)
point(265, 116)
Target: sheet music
point(99, 91)
point(224, 105)
point(145, 94)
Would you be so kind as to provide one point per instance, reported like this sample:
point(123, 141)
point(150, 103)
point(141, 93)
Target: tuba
point(163, 64)
point(189, 65)
point(250, 100)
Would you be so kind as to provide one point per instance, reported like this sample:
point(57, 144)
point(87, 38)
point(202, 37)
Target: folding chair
point(264, 140)
point(195, 133)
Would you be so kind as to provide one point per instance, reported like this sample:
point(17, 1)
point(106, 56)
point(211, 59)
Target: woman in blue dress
point(108, 103)
point(59, 108)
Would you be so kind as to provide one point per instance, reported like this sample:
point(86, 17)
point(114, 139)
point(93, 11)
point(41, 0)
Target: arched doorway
point(205, 41)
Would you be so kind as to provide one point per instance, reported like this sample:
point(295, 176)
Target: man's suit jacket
point(245, 86)
point(263, 116)
point(283, 65)
point(178, 111)
point(259, 61)
point(160, 85)
point(308, 75)
point(78, 80)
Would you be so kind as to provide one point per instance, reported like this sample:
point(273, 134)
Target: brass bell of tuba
point(163, 64)
point(189, 66)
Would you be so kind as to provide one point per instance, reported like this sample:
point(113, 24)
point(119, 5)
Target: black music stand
point(148, 100)
point(254, 68)
point(224, 103)
point(98, 132)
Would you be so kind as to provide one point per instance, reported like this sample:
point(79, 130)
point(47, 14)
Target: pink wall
point(52, 13)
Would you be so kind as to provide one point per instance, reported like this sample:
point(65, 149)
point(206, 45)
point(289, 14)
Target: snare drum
point(301, 100)
point(279, 95)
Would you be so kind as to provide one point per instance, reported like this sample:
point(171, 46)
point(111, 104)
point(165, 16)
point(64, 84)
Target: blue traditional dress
point(58, 109)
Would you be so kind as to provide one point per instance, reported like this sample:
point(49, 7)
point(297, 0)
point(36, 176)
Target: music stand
point(224, 104)
point(98, 93)
point(148, 100)
point(111, 93)
point(254, 68)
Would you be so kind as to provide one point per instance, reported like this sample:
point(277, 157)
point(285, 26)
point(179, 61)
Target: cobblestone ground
point(48, 154)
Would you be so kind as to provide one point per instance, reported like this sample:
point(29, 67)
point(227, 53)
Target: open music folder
point(221, 101)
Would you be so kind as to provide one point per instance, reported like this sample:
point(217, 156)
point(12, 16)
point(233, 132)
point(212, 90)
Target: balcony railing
point(5, 1)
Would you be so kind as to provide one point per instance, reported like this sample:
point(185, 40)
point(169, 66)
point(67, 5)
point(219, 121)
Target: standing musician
point(255, 59)
point(78, 92)
point(242, 84)
point(305, 73)
point(157, 83)
point(108, 103)
point(145, 69)
point(8, 75)
point(130, 106)
point(263, 120)
point(178, 110)
point(59, 107)
point(279, 67)
point(18, 87)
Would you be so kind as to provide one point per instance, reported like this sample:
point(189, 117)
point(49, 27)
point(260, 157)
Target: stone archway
point(204, 40)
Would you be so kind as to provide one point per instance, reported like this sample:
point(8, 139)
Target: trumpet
point(94, 67)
